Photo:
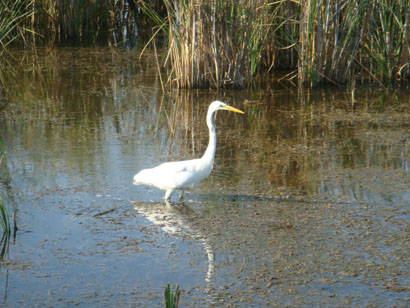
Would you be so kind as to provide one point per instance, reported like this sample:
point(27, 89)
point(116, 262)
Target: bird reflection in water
point(178, 220)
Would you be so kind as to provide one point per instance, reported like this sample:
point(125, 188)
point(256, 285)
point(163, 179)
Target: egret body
point(180, 175)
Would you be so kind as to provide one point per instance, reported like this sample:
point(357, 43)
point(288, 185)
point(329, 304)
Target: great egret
point(179, 175)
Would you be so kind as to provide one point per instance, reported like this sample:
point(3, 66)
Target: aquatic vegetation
point(227, 43)
point(4, 209)
point(172, 297)
point(112, 23)
point(5, 221)
point(214, 43)
point(5, 224)
point(13, 13)
point(221, 44)
point(339, 40)
point(4, 217)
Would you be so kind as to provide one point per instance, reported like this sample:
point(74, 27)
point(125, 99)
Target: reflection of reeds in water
point(184, 120)
point(307, 143)
point(76, 95)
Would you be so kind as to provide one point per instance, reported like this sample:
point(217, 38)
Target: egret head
point(218, 105)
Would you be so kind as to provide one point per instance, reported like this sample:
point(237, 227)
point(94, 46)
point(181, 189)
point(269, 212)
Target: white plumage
point(185, 174)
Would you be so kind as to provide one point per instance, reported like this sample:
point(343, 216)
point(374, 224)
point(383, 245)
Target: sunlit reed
point(13, 14)
point(227, 43)
point(220, 44)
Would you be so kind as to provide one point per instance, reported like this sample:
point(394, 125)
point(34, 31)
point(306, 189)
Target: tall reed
point(223, 43)
point(339, 38)
point(87, 21)
point(171, 297)
point(13, 14)
point(386, 43)
point(329, 39)
point(4, 207)
point(215, 43)
point(4, 217)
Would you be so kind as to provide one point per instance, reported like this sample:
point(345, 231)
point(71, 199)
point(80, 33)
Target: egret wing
point(167, 175)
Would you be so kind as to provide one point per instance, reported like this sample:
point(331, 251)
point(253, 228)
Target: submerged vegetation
point(230, 43)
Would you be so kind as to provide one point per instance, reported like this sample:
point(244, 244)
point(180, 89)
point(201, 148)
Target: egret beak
point(233, 109)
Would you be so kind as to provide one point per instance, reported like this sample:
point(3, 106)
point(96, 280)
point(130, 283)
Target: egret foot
point(168, 194)
point(181, 195)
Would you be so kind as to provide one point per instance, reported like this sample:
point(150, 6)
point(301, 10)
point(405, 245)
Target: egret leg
point(181, 194)
point(168, 193)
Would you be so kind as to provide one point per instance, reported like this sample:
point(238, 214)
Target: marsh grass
point(5, 223)
point(227, 44)
point(341, 38)
point(6, 228)
point(172, 297)
point(386, 45)
point(113, 23)
point(213, 43)
point(13, 14)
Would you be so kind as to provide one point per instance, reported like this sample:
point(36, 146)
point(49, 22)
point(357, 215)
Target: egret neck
point(209, 154)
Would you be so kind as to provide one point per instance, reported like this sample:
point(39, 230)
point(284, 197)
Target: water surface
point(308, 203)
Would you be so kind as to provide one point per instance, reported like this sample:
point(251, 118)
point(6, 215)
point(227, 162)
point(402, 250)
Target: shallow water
point(308, 203)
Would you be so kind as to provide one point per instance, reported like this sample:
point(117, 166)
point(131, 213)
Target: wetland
point(307, 205)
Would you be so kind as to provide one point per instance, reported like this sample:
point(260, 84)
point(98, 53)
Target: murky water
point(308, 203)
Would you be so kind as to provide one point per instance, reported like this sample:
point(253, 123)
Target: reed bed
point(215, 43)
point(13, 14)
point(227, 43)
point(341, 38)
point(222, 44)
point(84, 21)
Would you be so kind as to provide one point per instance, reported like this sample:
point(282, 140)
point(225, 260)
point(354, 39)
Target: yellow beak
point(233, 109)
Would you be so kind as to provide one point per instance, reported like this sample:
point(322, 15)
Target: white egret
point(180, 175)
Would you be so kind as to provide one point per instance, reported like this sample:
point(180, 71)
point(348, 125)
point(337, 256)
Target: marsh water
point(307, 205)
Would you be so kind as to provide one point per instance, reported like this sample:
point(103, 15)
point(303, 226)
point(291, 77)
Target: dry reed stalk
point(215, 43)
point(13, 14)
point(225, 43)
point(339, 37)
point(329, 39)
point(113, 22)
